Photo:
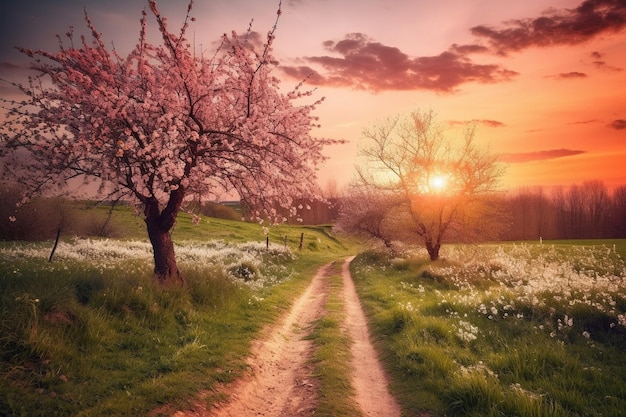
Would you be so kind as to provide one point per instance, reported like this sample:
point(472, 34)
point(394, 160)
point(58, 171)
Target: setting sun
point(437, 183)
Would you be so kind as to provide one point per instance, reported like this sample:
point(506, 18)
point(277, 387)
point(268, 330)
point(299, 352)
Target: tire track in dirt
point(280, 382)
point(368, 379)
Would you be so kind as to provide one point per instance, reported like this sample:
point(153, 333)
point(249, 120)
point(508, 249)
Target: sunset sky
point(544, 79)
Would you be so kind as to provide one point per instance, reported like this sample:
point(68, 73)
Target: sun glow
point(438, 183)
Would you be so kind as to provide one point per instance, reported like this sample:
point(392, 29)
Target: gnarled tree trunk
point(160, 224)
point(165, 267)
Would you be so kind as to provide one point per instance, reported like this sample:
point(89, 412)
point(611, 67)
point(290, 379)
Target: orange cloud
point(486, 122)
point(514, 158)
point(571, 75)
point(584, 122)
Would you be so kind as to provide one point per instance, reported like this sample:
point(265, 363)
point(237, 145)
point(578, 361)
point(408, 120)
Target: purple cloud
point(368, 65)
point(362, 63)
point(559, 27)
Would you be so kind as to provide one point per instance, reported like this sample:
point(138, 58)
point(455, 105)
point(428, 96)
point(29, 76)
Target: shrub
point(215, 210)
point(246, 271)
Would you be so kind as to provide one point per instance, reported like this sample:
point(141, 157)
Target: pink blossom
point(161, 123)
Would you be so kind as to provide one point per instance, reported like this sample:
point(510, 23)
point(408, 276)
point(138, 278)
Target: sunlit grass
point(524, 329)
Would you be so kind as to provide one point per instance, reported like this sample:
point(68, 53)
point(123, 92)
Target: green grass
point(85, 338)
point(332, 355)
point(448, 353)
point(129, 226)
point(620, 244)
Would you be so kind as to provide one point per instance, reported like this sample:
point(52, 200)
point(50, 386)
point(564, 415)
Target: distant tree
point(531, 213)
point(519, 205)
point(618, 213)
point(331, 190)
point(597, 204)
point(161, 124)
point(436, 186)
point(368, 213)
point(557, 197)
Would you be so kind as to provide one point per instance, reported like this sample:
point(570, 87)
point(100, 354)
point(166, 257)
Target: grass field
point(502, 330)
point(90, 334)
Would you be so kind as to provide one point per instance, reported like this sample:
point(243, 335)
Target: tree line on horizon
point(582, 211)
point(586, 211)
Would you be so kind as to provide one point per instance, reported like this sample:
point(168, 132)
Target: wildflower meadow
point(504, 329)
point(91, 333)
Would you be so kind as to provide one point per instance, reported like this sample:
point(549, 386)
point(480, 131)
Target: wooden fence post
point(56, 242)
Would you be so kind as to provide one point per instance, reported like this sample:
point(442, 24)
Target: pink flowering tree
point(161, 124)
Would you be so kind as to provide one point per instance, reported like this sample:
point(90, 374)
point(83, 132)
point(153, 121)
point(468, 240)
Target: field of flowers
point(531, 278)
point(92, 333)
point(251, 263)
point(511, 329)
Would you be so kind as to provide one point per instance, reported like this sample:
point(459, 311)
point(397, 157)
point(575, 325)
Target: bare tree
point(532, 214)
point(597, 206)
point(368, 213)
point(432, 183)
point(618, 210)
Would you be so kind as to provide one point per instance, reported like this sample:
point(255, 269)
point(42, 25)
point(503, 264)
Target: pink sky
point(546, 79)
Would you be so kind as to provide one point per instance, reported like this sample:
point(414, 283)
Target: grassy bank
point(90, 334)
point(501, 330)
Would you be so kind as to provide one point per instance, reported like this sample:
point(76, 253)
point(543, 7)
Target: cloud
point(11, 66)
point(491, 123)
point(618, 124)
point(468, 49)
point(515, 158)
point(570, 75)
point(365, 64)
point(596, 55)
point(557, 27)
point(602, 65)
point(485, 122)
point(583, 122)
point(362, 63)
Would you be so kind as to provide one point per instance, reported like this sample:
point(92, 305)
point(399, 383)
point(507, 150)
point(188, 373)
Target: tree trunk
point(433, 250)
point(165, 267)
point(159, 226)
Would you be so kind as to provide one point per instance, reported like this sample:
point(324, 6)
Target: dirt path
point(280, 381)
point(369, 380)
